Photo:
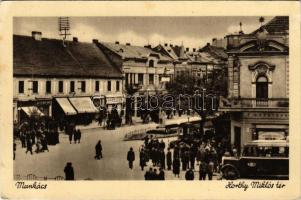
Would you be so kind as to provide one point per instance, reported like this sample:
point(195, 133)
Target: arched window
point(262, 88)
point(151, 63)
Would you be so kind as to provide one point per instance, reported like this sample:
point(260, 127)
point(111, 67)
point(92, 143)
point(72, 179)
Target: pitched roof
point(49, 57)
point(217, 52)
point(129, 51)
point(279, 24)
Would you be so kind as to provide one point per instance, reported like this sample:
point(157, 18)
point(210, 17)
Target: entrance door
point(237, 139)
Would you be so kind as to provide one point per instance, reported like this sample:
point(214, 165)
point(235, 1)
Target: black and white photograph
point(151, 98)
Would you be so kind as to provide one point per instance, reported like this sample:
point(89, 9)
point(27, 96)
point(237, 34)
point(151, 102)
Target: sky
point(193, 32)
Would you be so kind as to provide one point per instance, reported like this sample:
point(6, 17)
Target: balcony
point(253, 103)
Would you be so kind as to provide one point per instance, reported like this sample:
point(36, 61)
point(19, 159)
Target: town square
point(151, 98)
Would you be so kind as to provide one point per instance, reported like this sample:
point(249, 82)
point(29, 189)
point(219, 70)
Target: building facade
point(258, 83)
point(54, 75)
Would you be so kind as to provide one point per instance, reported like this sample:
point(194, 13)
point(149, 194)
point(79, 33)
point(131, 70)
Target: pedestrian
point(79, 135)
point(155, 175)
point(176, 167)
point(29, 146)
point(75, 134)
point(70, 136)
point(44, 144)
point(15, 148)
point(203, 170)
point(161, 175)
point(131, 157)
point(148, 174)
point(192, 158)
point(210, 169)
point(168, 159)
point(22, 138)
point(98, 150)
point(69, 172)
point(142, 159)
point(162, 159)
point(162, 145)
point(189, 175)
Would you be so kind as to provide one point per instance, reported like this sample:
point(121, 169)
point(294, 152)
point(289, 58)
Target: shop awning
point(83, 104)
point(32, 110)
point(66, 106)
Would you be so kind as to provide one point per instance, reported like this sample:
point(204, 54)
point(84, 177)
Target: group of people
point(75, 134)
point(39, 139)
point(203, 156)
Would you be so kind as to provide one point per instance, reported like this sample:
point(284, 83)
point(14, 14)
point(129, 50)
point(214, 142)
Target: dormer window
point(151, 63)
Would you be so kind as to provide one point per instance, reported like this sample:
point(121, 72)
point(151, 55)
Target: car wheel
point(230, 173)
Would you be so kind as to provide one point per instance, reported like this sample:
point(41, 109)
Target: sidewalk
point(137, 121)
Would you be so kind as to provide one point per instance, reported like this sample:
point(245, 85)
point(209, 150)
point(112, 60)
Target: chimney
point(95, 41)
point(193, 49)
point(165, 44)
point(117, 42)
point(187, 49)
point(75, 39)
point(128, 44)
point(37, 35)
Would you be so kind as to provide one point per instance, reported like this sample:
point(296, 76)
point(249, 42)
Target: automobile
point(161, 129)
point(259, 159)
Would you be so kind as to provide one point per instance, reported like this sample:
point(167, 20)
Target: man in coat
point(131, 157)
point(176, 167)
point(98, 150)
point(142, 157)
point(168, 159)
point(69, 172)
point(29, 146)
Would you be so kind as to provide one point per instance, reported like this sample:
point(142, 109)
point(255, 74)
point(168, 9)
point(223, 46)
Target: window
point(72, 86)
point(83, 86)
point(48, 87)
point(151, 63)
point(140, 79)
point(151, 79)
point(109, 85)
point(262, 87)
point(96, 86)
point(117, 86)
point(35, 87)
point(61, 86)
point(21, 87)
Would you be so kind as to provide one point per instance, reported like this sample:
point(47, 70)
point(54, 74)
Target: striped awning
point(83, 104)
point(66, 106)
point(32, 110)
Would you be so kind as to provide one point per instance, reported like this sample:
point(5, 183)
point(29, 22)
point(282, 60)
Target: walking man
point(98, 150)
point(69, 172)
point(168, 159)
point(131, 157)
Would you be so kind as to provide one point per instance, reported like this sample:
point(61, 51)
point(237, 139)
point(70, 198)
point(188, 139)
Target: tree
point(200, 93)
point(130, 91)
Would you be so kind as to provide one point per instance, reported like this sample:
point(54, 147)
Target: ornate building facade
point(258, 83)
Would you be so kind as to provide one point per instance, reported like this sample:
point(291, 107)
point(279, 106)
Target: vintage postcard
point(150, 100)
